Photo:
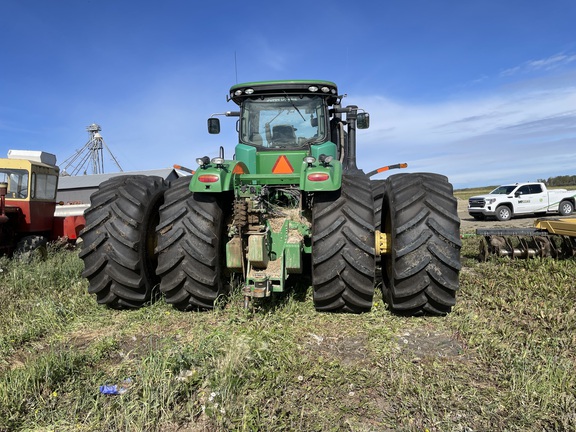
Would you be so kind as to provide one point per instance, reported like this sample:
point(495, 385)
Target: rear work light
point(318, 177)
point(208, 178)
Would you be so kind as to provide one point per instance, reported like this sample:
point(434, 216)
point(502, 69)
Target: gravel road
point(469, 225)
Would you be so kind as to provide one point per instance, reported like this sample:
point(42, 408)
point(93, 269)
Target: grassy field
point(464, 194)
point(502, 361)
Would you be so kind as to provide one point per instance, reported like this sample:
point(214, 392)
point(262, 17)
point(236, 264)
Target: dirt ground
point(469, 225)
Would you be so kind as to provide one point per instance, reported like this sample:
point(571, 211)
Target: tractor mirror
point(363, 121)
point(213, 125)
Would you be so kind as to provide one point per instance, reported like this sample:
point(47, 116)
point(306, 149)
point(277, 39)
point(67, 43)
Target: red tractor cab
point(28, 185)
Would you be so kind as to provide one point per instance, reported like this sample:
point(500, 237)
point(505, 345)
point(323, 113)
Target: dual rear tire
point(420, 274)
point(119, 241)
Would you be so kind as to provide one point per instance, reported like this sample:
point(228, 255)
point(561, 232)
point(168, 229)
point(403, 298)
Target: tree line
point(565, 180)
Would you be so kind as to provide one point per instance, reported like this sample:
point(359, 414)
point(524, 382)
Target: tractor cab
point(289, 133)
point(30, 180)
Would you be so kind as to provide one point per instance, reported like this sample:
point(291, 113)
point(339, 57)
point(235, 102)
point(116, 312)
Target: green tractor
point(290, 203)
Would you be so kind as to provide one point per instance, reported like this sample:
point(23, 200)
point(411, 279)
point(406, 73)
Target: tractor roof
point(239, 92)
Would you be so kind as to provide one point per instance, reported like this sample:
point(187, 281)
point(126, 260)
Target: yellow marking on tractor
point(383, 243)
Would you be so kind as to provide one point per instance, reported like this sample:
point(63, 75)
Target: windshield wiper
point(295, 107)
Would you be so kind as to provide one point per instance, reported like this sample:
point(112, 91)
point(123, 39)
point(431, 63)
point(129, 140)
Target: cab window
point(283, 121)
point(44, 186)
point(535, 189)
point(523, 190)
point(17, 180)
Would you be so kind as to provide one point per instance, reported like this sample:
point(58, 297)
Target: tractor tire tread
point(420, 276)
point(120, 223)
point(343, 247)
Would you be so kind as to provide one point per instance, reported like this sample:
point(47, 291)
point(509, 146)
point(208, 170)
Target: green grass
point(503, 360)
point(464, 194)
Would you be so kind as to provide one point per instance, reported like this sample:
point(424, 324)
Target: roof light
point(313, 88)
point(318, 176)
point(309, 160)
point(325, 89)
point(204, 160)
point(249, 91)
point(237, 92)
point(324, 159)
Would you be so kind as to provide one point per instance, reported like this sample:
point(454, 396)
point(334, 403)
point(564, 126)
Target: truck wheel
point(31, 247)
point(119, 240)
point(503, 213)
point(566, 208)
point(191, 241)
point(420, 274)
point(343, 247)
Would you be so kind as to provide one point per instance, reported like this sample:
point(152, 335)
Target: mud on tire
point(343, 246)
point(119, 240)
point(190, 248)
point(420, 275)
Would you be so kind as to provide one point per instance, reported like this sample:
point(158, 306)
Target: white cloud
point(546, 64)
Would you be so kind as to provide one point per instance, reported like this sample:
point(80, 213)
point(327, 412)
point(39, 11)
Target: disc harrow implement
point(554, 238)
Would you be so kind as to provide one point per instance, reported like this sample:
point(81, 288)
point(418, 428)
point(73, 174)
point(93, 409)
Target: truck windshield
point(503, 190)
point(17, 180)
point(283, 121)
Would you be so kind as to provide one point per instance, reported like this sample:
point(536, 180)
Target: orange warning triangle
point(282, 166)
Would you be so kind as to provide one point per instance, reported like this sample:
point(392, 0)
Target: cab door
point(530, 199)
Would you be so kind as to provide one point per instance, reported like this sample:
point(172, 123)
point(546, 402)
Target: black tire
point(191, 248)
point(31, 247)
point(503, 213)
point(343, 246)
point(566, 208)
point(420, 275)
point(119, 240)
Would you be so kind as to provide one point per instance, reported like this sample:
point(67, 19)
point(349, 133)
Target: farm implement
point(554, 238)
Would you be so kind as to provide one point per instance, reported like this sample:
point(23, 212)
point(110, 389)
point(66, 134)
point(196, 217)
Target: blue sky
point(483, 91)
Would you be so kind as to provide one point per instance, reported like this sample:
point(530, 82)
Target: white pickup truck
point(509, 200)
